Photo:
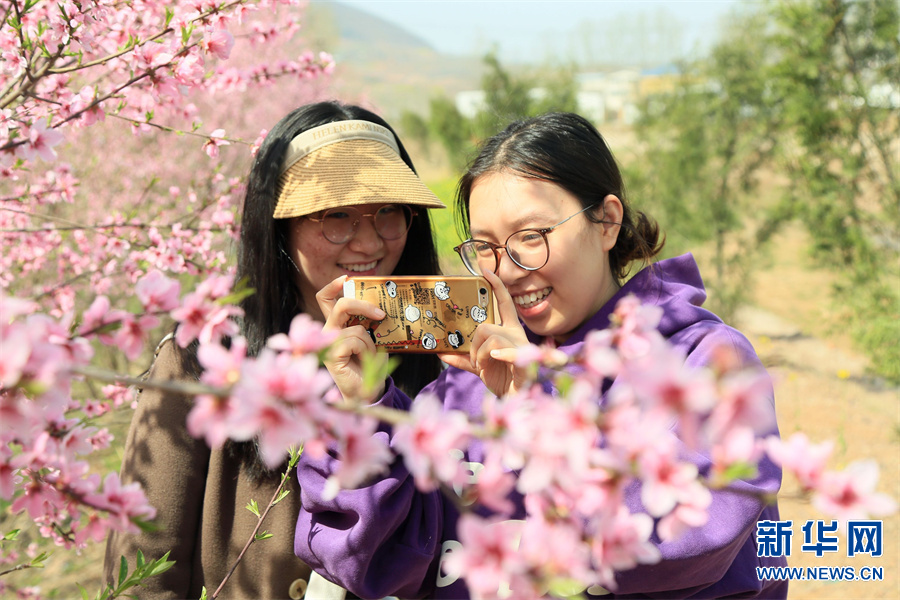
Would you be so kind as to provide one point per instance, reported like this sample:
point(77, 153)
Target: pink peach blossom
point(211, 418)
point(123, 502)
point(745, 400)
point(216, 139)
point(488, 557)
point(362, 454)
point(157, 292)
point(426, 443)
point(741, 446)
point(305, 336)
point(222, 366)
point(41, 140)
point(622, 541)
point(850, 494)
point(691, 512)
point(493, 485)
point(798, 456)
point(665, 481)
point(218, 43)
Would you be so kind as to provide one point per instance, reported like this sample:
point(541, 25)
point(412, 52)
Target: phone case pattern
point(421, 316)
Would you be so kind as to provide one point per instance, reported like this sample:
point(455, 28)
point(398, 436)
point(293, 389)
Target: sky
point(535, 31)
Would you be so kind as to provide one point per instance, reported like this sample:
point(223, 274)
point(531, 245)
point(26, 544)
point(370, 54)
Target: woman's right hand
point(344, 360)
point(495, 347)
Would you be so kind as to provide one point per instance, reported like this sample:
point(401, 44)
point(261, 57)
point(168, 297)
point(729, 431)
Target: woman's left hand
point(344, 360)
point(494, 347)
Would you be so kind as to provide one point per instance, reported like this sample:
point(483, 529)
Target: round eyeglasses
point(528, 248)
point(339, 225)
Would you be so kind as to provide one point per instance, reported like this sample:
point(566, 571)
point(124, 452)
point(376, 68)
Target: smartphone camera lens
point(482, 291)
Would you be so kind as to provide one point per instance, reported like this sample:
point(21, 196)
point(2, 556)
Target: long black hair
point(263, 254)
point(566, 150)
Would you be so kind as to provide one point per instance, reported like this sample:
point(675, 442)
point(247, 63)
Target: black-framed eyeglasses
point(528, 248)
point(339, 225)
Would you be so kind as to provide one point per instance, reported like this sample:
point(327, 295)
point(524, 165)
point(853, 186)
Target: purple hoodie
point(387, 538)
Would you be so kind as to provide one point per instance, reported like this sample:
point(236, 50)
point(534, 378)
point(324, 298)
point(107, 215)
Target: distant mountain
point(382, 64)
point(360, 30)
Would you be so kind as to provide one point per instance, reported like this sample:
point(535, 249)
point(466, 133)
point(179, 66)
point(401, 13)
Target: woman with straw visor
point(331, 192)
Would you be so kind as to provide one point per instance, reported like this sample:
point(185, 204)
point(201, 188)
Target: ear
point(613, 211)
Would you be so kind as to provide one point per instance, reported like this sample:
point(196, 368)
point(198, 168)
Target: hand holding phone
point(495, 347)
point(424, 314)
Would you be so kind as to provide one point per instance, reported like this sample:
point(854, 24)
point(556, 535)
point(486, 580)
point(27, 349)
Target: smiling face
point(321, 261)
point(576, 281)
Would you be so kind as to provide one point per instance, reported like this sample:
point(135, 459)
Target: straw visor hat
point(346, 163)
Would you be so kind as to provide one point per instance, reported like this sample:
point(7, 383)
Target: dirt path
point(822, 390)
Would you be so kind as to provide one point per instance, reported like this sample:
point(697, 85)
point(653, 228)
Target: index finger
point(329, 295)
point(506, 308)
point(345, 309)
point(460, 361)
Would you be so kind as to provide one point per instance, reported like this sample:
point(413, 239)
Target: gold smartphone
point(424, 314)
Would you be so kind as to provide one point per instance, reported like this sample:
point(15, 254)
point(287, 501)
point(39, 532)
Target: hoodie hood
point(673, 284)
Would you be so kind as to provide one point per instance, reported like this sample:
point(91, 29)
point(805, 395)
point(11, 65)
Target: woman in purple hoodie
point(551, 229)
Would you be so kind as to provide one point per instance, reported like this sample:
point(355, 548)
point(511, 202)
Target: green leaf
point(140, 560)
point(33, 388)
point(253, 507)
point(11, 536)
point(186, 34)
point(145, 526)
point(203, 593)
point(84, 592)
point(106, 592)
point(281, 495)
point(108, 327)
point(263, 535)
point(38, 561)
point(169, 14)
point(563, 587)
point(564, 383)
point(123, 569)
point(739, 470)
point(376, 368)
point(239, 292)
point(161, 566)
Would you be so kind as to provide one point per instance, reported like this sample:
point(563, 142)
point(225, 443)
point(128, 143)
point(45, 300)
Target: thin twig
point(252, 538)
point(74, 226)
point(18, 568)
point(391, 416)
point(168, 129)
point(180, 387)
point(109, 226)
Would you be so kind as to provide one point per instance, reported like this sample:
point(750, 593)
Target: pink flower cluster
point(104, 250)
point(576, 457)
point(170, 48)
point(48, 474)
point(847, 494)
point(275, 396)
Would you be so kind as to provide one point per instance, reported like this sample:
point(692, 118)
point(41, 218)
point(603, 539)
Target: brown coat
point(200, 498)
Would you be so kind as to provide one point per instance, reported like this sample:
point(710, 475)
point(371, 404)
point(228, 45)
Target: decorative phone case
point(424, 314)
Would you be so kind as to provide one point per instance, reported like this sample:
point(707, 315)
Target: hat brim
point(349, 173)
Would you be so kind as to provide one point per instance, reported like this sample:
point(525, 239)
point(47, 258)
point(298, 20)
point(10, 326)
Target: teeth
point(359, 268)
point(529, 300)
